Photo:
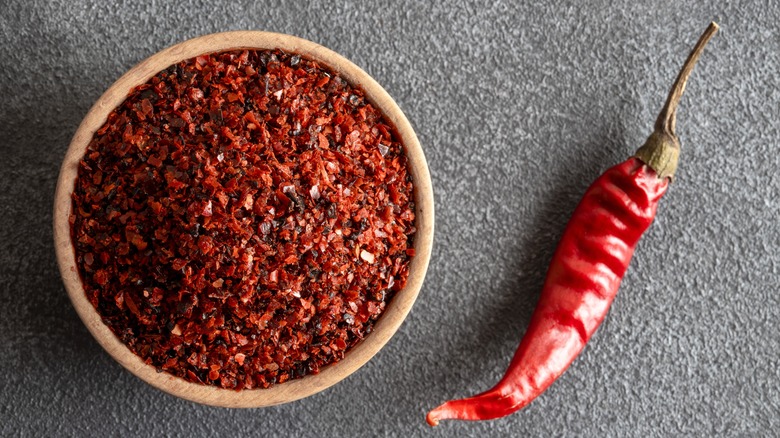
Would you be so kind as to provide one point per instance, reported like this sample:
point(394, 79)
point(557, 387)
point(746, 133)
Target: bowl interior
point(396, 310)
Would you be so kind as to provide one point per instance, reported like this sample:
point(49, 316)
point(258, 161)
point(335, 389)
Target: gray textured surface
point(518, 108)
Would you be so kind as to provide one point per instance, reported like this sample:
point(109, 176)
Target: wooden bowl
point(291, 390)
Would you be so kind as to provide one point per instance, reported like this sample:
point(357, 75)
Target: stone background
point(518, 106)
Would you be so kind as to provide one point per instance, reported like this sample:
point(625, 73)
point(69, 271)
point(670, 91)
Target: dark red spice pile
point(243, 218)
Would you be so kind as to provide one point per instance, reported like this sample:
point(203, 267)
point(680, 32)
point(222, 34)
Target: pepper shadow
point(493, 343)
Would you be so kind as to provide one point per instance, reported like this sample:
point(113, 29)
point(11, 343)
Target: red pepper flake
point(243, 219)
point(154, 161)
point(205, 243)
point(207, 211)
point(101, 277)
point(146, 107)
point(248, 202)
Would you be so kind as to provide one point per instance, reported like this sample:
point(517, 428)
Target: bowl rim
point(394, 314)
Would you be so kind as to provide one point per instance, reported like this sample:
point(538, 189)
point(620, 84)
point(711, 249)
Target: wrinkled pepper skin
point(582, 280)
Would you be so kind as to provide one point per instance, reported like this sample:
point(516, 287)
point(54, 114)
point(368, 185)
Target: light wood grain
point(394, 314)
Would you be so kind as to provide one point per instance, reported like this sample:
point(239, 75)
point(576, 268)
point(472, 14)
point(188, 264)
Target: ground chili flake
point(243, 218)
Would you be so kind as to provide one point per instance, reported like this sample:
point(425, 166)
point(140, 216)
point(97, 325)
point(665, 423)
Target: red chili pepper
point(587, 267)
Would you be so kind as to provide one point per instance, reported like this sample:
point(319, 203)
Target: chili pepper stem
point(661, 151)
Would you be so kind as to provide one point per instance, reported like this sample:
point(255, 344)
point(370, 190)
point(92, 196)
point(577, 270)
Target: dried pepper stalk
point(587, 267)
